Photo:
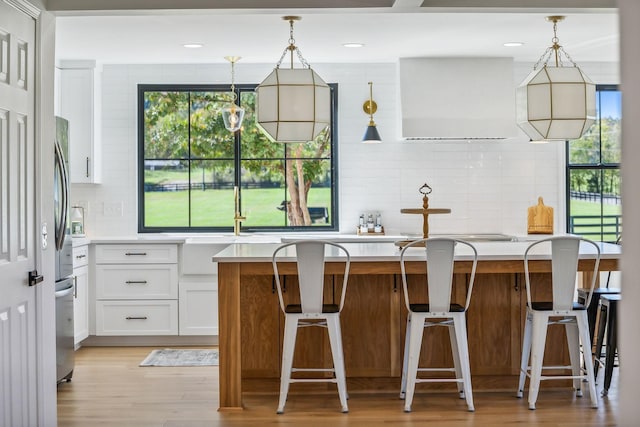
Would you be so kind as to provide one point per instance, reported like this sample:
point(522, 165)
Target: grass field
point(215, 208)
point(583, 227)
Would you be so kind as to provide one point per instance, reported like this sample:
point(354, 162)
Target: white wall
point(487, 185)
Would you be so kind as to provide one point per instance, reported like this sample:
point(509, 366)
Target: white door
point(18, 405)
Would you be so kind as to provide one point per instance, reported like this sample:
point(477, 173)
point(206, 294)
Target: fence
point(183, 186)
point(606, 227)
point(610, 199)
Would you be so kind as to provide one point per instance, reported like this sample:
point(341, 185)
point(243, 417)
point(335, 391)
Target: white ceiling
point(260, 35)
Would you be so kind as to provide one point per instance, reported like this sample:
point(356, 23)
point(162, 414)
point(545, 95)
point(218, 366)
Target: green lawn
point(215, 208)
point(584, 208)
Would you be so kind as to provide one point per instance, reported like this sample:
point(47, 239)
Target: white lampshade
point(293, 105)
point(556, 103)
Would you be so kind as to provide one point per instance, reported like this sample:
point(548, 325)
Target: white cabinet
point(79, 102)
point(198, 296)
point(136, 289)
point(81, 294)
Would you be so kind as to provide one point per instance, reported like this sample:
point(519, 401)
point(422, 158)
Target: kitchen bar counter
point(374, 316)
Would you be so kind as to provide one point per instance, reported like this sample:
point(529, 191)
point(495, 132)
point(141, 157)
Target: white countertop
point(362, 252)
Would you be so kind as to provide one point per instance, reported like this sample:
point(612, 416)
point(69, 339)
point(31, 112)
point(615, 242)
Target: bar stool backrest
point(310, 259)
point(565, 251)
point(440, 253)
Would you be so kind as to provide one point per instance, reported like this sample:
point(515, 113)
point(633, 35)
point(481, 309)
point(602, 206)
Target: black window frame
point(239, 88)
point(599, 166)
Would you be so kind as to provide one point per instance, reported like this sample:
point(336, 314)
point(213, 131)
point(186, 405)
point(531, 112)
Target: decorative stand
point(424, 211)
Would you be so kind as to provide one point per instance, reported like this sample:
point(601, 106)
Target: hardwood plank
point(109, 388)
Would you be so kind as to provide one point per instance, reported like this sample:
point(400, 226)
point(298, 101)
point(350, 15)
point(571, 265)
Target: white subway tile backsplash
point(487, 185)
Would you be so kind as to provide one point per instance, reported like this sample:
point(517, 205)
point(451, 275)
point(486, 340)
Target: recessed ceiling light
point(513, 44)
point(192, 45)
point(353, 44)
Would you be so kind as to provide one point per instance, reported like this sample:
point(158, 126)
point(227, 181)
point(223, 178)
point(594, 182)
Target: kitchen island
point(374, 315)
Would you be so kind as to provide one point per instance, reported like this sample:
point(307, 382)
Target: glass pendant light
point(293, 105)
point(556, 102)
point(232, 114)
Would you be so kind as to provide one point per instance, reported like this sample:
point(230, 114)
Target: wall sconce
point(232, 115)
point(556, 102)
point(371, 135)
point(293, 105)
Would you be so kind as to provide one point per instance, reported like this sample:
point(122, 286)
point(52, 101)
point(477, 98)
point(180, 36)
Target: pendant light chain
point(291, 48)
point(234, 96)
point(555, 49)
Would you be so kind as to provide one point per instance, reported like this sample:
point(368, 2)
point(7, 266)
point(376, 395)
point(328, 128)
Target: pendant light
point(556, 102)
point(371, 135)
point(293, 104)
point(232, 115)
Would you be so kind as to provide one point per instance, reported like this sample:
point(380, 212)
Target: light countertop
point(363, 252)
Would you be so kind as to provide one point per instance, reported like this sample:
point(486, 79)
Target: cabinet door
point(371, 325)
point(198, 307)
point(81, 304)
point(77, 104)
point(260, 332)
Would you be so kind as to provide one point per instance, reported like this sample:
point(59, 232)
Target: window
point(189, 165)
point(593, 173)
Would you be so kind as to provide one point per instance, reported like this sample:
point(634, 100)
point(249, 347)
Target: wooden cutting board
point(540, 218)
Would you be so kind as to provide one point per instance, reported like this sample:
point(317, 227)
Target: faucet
point(237, 217)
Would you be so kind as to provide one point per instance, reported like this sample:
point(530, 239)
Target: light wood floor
point(110, 389)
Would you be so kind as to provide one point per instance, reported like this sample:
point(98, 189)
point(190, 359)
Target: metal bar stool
point(439, 311)
point(608, 322)
point(562, 310)
point(312, 311)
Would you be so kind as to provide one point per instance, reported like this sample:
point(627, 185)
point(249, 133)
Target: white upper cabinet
point(79, 101)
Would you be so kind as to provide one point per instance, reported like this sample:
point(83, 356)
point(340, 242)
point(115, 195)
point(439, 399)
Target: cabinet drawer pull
point(135, 253)
point(136, 282)
point(136, 317)
point(80, 256)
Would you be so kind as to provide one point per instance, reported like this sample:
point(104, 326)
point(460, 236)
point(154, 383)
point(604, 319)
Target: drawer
point(137, 317)
point(136, 254)
point(144, 281)
point(80, 256)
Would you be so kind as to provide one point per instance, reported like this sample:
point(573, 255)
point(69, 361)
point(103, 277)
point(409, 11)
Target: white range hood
point(457, 98)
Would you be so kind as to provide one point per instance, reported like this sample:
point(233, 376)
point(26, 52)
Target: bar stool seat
point(608, 322)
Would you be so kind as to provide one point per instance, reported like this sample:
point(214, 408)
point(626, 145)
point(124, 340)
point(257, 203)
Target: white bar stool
point(571, 314)
point(439, 260)
point(312, 311)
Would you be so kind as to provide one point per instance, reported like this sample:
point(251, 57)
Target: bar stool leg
point(415, 343)
point(335, 340)
point(463, 356)
point(403, 384)
point(612, 346)
point(602, 326)
point(290, 332)
point(573, 343)
point(456, 359)
point(583, 329)
point(526, 352)
point(539, 337)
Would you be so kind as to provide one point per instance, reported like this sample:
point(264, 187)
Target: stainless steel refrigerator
point(64, 260)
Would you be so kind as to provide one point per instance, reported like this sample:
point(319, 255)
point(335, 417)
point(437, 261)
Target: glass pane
point(595, 209)
point(209, 138)
point(212, 203)
point(610, 118)
point(263, 193)
point(166, 195)
point(317, 175)
point(166, 125)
